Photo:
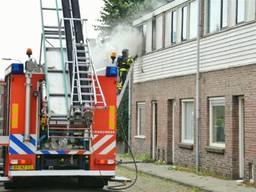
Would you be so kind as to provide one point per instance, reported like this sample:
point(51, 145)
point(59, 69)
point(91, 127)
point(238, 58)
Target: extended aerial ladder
point(77, 87)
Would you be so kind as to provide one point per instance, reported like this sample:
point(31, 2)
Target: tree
point(119, 11)
point(124, 12)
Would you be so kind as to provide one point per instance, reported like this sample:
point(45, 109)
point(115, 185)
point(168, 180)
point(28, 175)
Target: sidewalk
point(190, 179)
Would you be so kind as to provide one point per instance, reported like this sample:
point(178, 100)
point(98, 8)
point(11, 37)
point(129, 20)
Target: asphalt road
point(145, 183)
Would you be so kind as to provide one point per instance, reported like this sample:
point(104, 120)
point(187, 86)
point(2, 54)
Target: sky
point(20, 24)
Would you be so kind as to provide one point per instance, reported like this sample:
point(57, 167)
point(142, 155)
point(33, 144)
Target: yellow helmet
point(113, 54)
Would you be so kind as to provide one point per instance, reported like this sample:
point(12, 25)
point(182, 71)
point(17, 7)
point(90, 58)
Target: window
point(217, 15)
point(141, 118)
point(154, 34)
point(184, 23)
point(224, 13)
point(174, 27)
point(143, 31)
point(217, 122)
point(240, 11)
point(193, 19)
point(188, 121)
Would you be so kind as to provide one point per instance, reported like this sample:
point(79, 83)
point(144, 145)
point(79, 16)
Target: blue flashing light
point(111, 71)
point(17, 68)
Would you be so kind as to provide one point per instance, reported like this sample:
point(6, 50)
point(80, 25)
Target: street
point(145, 183)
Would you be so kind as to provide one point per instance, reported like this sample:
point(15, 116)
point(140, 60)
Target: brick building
point(163, 97)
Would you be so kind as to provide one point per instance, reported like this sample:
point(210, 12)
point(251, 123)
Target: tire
point(8, 185)
point(91, 182)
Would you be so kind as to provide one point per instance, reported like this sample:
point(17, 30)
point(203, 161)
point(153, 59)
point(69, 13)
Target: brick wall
point(229, 83)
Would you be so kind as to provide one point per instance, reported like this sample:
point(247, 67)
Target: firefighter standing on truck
point(123, 63)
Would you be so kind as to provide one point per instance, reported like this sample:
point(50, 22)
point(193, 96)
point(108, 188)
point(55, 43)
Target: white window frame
point(217, 101)
point(183, 140)
point(138, 116)
point(245, 11)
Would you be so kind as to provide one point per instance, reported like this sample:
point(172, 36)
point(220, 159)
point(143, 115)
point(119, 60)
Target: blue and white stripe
point(18, 146)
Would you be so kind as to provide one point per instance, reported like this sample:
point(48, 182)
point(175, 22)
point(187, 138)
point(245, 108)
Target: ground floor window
point(141, 118)
point(217, 122)
point(187, 121)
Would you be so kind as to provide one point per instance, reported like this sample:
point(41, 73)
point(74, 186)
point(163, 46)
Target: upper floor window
point(143, 32)
point(193, 19)
point(184, 31)
point(154, 34)
point(240, 11)
point(217, 15)
point(174, 27)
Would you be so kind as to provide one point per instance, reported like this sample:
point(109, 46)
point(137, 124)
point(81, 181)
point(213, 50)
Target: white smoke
point(122, 36)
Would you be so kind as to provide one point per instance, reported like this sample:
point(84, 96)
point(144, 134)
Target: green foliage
point(123, 118)
point(144, 158)
point(124, 12)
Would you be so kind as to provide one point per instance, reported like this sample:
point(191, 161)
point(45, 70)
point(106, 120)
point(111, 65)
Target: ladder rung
point(87, 94)
point(82, 51)
point(82, 62)
point(51, 32)
point(85, 79)
point(52, 27)
point(83, 72)
point(49, 37)
point(51, 9)
point(82, 58)
point(85, 86)
point(81, 45)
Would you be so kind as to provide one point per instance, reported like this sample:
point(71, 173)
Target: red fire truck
point(59, 115)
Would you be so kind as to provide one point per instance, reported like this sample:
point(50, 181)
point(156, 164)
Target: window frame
point(237, 23)
point(153, 35)
point(172, 26)
point(208, 15)
point(221, 14)
point(183, 139)
point(215, 101)
point(139, 133)
point(187, 22)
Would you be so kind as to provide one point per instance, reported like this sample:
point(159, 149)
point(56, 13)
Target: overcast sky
point(20, 24)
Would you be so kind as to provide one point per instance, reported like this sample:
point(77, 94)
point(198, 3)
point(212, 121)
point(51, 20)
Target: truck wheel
point(91, 182)
point(9, 185)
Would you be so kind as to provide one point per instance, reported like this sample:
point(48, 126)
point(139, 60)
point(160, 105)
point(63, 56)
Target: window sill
point(186, 146)
point(140, 137)
point(218, 150)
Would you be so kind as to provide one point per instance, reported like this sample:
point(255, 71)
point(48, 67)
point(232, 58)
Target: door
point(241, 137)
point(154, 130)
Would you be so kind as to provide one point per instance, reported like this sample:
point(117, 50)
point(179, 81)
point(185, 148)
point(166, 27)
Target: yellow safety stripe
point(15, 115)
point(112, 117)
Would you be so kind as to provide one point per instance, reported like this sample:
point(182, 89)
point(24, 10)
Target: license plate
point(22, 167)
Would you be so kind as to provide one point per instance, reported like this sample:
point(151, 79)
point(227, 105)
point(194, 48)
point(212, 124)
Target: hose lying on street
point(124, 186)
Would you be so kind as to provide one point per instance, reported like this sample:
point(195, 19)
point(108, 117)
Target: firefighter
point(123, 63)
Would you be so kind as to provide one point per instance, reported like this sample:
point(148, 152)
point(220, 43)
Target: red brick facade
point(228, 83)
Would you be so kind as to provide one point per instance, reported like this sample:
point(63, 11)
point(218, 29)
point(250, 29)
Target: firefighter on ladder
point(123, 63)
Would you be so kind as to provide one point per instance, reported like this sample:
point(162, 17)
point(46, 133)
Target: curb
point(168, 179)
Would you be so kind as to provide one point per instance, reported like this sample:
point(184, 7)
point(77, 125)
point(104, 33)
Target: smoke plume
point(122, 36)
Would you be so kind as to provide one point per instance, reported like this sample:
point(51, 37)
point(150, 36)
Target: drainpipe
point(198, 89)
point(28, 101)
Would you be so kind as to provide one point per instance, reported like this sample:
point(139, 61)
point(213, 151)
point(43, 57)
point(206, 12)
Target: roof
point(158, 11)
